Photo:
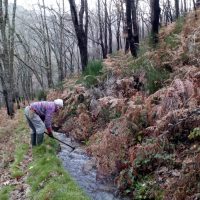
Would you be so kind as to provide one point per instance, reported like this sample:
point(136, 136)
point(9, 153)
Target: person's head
point(58, 103)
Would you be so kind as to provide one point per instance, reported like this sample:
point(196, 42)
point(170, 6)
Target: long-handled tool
point(73, 148)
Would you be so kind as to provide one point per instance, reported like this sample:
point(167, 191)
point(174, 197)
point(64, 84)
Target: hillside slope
point(140, 118)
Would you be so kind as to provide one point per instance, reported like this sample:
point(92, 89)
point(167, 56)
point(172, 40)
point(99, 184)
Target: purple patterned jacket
point(45, 110)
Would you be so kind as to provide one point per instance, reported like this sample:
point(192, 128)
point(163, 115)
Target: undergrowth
point(41, 95)
point(90, 75)
point(173, 39)
point(155, 76)
point(179, 25)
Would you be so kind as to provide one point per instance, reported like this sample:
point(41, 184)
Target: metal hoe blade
point(73, 148)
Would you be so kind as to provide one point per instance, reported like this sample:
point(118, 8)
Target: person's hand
point(50, 134)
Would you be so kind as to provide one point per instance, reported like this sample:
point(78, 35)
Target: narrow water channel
point(81, 168)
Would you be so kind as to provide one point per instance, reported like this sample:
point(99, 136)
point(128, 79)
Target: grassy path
point(32, 173)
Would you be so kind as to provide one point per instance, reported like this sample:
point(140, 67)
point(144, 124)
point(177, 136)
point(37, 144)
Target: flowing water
point(82, 169)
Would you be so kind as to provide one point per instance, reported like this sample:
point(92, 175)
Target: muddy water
point(82, 169)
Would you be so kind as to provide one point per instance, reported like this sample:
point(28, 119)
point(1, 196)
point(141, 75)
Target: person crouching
point(39, 117)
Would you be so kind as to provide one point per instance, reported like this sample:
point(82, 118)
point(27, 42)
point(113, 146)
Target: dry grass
point(7, 125)
point(7, 136)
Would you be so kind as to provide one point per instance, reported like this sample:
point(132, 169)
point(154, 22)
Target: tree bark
point(135, 23)
point(118, 27)
point(6, 67)
point(106, 28)
point(104, 54)
point(47, 47)
point(177, 8)
point(81, 30)
point(155, 13)
point(110, 35)
point(130, 38)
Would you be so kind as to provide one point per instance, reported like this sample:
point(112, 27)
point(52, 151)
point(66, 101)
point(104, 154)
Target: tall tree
point(185, 6)
point(106, 27)
point(130, 38)
point(81, 29)
point(155, 14)
point(58, 38)
point(46, 46)
point(103, 48)
point(177, 8)
point(134, 21)
point(118, 20)
point(7, 57)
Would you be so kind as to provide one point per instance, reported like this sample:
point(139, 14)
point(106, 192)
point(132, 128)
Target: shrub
point(59, 86)
point(41, 95)
point(172, 41)
point(93, 68)
point(195, 134)
point(89, 76)
point(155, 77)
point(144, 187)
point(179, 25)
point(90, 80)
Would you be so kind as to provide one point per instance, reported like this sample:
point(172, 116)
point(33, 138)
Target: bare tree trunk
point(101, 31)
point(195, 9)
point(61, 49)
point(185, 6)
point(81, 33)
point(155, 13)
point(110, 35)
point(7, 57)
point(118, 28)
point(169, 11)
point(106, 28)
point(134, 21)
point(47, 48)
point(129, 26)
point(177, 8)
point(181, 6)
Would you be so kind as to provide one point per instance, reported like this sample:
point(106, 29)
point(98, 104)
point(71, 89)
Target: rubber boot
point(40, 138)
point(33, 139)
